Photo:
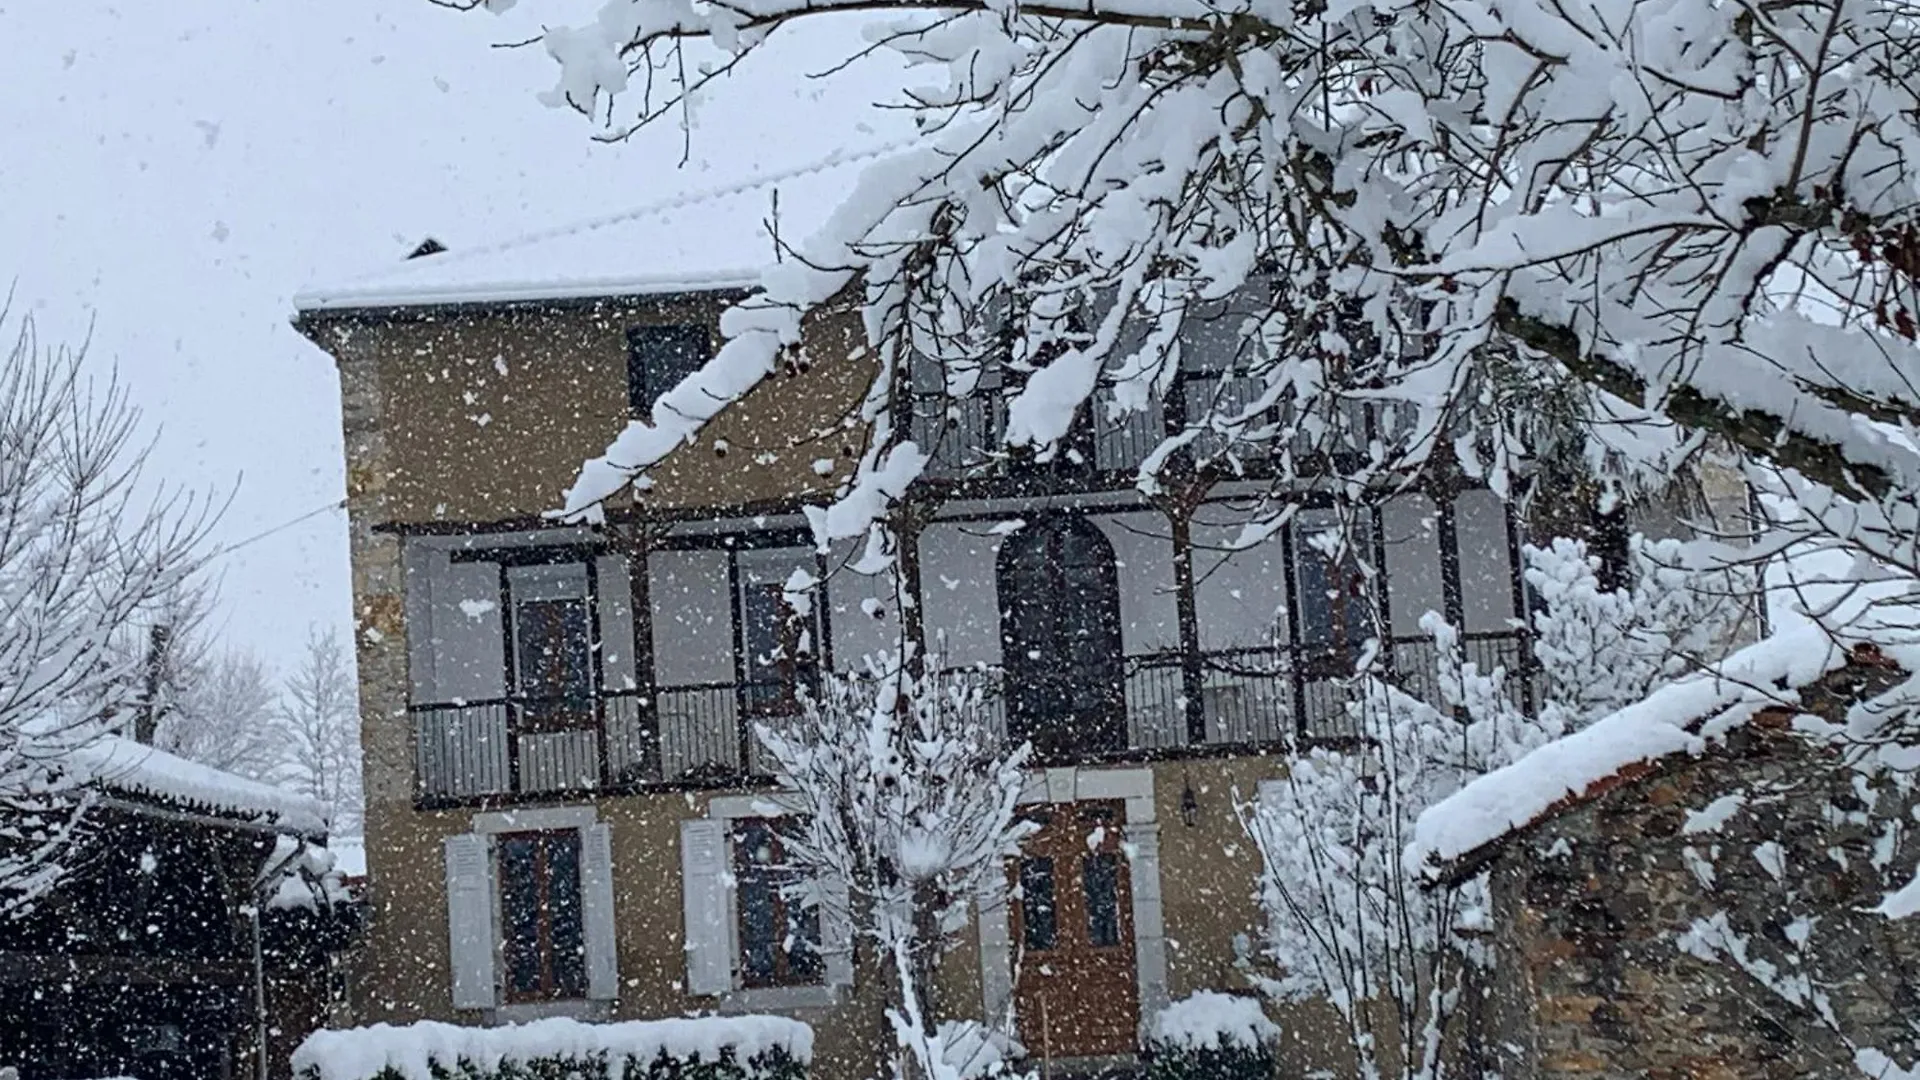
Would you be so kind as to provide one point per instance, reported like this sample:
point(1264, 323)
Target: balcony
point(693, 736)
point(964, 437)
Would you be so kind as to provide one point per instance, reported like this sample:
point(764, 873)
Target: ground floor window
point(543, 935)
point(779, 935)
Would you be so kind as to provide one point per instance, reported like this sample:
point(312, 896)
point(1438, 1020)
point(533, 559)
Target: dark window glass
point(553, 646)
point(659, 357)
point(1101, 874)
point(1039, 928)
point(520, 889)
point(1062, 638)
point(544, 942)
point(777, 649)
point(779, 937)
point(1333, 609)
point(567, 929)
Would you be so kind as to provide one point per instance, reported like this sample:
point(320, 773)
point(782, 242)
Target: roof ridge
point(686, 198)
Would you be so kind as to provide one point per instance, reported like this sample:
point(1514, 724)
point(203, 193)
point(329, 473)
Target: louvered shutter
point(596, 908)
point(703, 885)
point(836, 932)
point(470, 932)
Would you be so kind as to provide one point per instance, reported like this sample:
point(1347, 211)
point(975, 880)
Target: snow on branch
point(1493, 229)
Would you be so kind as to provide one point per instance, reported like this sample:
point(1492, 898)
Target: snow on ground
point(361, 1053)
point(136, 768)
point(1683, 716)
point(1209, 1020)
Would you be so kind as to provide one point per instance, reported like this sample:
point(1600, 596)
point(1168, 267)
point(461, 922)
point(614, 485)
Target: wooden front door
point(1076, 993)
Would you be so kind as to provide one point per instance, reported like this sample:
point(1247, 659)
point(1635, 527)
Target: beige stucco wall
point(1207, 877)
point(543, 391)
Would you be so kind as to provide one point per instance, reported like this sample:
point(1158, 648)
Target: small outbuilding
point(193, 929)
point(1705, 884)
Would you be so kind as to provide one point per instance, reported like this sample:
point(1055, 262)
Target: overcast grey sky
point(174, 172)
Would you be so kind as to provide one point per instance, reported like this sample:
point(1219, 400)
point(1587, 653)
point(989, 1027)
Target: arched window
point(1060, 632)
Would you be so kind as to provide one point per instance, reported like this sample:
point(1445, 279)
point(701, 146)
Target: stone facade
point(1709, 917)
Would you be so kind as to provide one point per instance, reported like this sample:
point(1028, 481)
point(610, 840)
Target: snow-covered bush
point(904, 804)
point(1212, 1036)
point(705, 1048)
point(1602, 650)
point(1347, 924)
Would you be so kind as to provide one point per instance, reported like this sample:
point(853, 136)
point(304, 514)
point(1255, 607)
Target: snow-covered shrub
point(1600, 651)
point(1346, 922)
point(1212, 1036)
point(904, 800)
point(705, 1048)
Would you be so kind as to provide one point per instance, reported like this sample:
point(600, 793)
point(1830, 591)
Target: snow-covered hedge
point(1212, 1036)
point(706, 1048)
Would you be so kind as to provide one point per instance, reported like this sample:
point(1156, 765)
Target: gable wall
point(487, 416)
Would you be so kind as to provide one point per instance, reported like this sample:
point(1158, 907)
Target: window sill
point(579, 1009)
point(777, 999)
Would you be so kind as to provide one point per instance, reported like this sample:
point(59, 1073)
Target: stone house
point(557, 719)
point(1693, 888)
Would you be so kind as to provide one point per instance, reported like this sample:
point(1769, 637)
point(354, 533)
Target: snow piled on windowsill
point(360, 1053)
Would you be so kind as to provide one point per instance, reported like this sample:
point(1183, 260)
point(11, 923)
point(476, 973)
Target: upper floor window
point(1333, 611)
point(1060, 630)
point(776, 649)
point(779, 937)
point(543, 942)
point(552, 628)
point(659, 357)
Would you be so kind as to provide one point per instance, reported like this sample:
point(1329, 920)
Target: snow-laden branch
point(1497, 223)
point(86, 548)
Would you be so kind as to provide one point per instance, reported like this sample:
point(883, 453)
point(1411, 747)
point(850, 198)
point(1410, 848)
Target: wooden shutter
point(836, 931)
point(596, 912)
point(470, 933)
point(703, 885)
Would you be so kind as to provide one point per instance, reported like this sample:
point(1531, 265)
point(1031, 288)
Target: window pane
point(767, 634)
point(555, 649)
point(659, 357)
point(803, 943)
point(520, 914)
point(1102, 882)
point(756, 896)
point(1331, 600)
point(1036, 903)
point(567, 931)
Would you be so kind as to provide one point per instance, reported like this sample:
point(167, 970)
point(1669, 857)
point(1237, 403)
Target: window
point(543, 934)
point(1101, 877)
point(779, 936)
point(659, 357)
point(1040, 928)
point(776, 649)
point(1333, 613)
point(1060, 628)
point(552, 646)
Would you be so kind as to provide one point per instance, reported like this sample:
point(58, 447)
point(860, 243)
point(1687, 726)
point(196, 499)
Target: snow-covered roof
point(719, 238)
point(1683, 717)
point(137, 769)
